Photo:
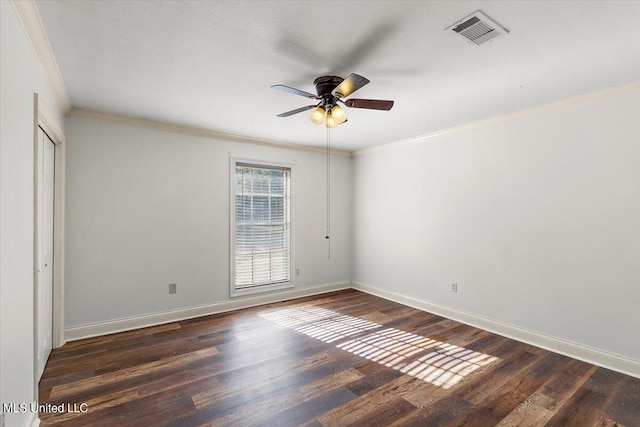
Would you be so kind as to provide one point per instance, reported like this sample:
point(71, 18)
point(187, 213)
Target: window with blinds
point(261, 229)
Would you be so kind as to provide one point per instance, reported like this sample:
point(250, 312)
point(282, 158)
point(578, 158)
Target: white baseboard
point(137, 322)
point(33, 420)
point(615, 362)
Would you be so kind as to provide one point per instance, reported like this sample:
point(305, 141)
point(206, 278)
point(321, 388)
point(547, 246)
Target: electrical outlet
point(297, 271)
point(454, 287)
point(173, 288)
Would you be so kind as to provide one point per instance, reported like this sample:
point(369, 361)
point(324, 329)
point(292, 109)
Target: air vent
point(478, 28)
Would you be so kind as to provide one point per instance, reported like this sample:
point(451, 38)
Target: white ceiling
point(210, 65)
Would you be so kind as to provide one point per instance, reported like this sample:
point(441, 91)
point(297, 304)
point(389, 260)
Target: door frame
point(42, 118)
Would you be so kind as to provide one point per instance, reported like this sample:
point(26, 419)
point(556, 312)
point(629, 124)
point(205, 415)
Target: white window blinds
point(262, 235)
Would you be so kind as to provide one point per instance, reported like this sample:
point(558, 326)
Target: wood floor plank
point(235, 385)
point(98, 403)
point(385, 415)
point(373, 379)
point(160, 366)
point(583, 409)
point(363, 405)
point(606, 422)
point(428, 395)
point(228, 399)
point(337, 359)
point(624, 405)
point(305, 411)
point(100, 341)
point(435, 415)
point(565, 383)
point(509, 397)
point(261, 412)
point(535, 410)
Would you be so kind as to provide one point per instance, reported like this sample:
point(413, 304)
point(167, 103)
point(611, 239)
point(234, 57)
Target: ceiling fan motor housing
point(324, 86)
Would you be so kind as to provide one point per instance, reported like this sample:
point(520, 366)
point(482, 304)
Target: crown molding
point(193, 131)
point(553, 106)
point(29, 17)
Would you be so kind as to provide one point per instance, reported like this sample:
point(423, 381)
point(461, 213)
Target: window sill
point(260, 289)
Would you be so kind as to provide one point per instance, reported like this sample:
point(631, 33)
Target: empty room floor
point(338, 359)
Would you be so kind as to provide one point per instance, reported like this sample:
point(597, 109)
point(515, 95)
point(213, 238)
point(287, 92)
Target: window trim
point(233, 161)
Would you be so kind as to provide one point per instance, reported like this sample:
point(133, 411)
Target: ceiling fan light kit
point(338, 114)
point(317, 117)
point(330, 90)
point(331, 122)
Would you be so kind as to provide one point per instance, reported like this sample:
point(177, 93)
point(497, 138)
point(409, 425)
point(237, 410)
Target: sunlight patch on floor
point(325, 325)
point(444, 365)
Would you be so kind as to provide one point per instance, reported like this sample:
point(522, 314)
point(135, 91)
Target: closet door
point(45, 249)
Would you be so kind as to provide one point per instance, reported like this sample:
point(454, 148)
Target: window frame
point(233, 162)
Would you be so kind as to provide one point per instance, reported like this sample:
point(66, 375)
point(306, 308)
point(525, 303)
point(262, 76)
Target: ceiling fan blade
point(294, 91)
point(350, 85)
point(367, 46)
point(371, 104)
point(296, 111)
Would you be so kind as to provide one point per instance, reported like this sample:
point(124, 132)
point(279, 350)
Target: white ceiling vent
point(478, 28)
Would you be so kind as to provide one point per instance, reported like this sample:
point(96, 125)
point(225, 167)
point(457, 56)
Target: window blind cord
point(328, 194)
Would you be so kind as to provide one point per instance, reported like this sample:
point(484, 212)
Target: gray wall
point(146, 208)
point(20, 77)
point(537, 218)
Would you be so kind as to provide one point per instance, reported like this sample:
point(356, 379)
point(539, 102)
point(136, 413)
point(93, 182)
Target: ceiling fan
point(330, 90)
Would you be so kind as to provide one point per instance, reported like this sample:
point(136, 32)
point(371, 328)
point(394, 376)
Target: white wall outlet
point(454, 287)
point(173, 288)
point(297, 271)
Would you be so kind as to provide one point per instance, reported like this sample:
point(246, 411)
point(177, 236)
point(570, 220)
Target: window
point(260, 227)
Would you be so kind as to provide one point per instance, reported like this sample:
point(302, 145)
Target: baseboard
point(587, 354)
point(137, 322)
point(33, 420)
point(615, 362)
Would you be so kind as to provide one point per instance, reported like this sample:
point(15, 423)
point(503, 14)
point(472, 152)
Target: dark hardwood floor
point(345, 358)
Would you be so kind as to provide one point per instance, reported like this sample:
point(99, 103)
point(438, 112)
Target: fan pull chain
point(328, 193)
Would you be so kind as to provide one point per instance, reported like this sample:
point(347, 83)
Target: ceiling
point(210, 65)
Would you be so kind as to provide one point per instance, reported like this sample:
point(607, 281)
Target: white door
point(45, 250)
